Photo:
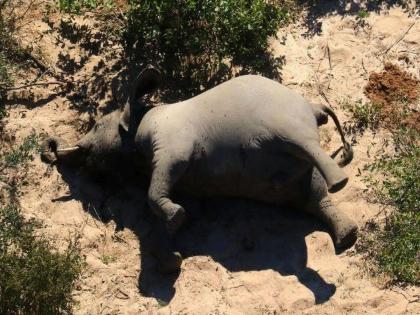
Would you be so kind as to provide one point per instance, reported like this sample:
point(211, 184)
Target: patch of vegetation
point(108, 259)
point(11, 53)
point(35, 278)
point(365, 115)
point(395, 248)
point(362, 14)
point(400, 183)
point(198, 44)
point(9, 47)
point(76, 6)
point(5, 82)
point(393, 176)
point(394, 182)
point(22, 153)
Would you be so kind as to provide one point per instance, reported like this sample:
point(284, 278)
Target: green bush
point(396, 247)
point(23, 153)
point(76, 6)
point(400, 182)
point(34, 277)
point(366, 115)
point(400, 250)
point(199, 43)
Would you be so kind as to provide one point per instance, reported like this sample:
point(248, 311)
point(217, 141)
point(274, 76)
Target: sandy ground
point(240, 257)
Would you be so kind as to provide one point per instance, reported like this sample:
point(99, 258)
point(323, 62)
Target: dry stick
point(410, 52)
point(36, 84)
point(321, 91)
point(408, 300)
point(400, 39)
point(40, 76)
point(27, 9)
point(125, 296)
point(329, 56)
point(363, 66)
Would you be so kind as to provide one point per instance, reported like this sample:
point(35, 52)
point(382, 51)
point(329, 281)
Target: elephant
point(249, 137)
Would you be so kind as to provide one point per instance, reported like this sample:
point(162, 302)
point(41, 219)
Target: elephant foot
point(175, 220)
point(345, 235)
point(170, 264)
point(343, 228)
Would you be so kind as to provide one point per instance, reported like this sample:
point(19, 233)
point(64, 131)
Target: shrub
point(366, 115)
point(399, 254)
point(22, 153)
point(395, 248)
point(34, 277)
point(76, 6)
point(200, 43)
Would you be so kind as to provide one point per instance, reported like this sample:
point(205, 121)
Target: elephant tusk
point(71, 149)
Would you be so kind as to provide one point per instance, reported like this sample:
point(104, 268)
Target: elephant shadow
point(241, 235)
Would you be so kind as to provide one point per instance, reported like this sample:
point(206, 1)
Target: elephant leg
point(343, 228)
point(162, 248)
point(166, 173)
point(311, 151)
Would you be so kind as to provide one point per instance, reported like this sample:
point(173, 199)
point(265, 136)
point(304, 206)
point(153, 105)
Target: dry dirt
point(240, 257)
point(395, 90)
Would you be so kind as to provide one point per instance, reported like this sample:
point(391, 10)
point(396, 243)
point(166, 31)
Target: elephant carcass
point(248, 137)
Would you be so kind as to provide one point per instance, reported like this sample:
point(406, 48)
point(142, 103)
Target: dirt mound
point(395, 90)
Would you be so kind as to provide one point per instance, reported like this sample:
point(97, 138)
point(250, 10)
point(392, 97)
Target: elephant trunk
point(55, 150)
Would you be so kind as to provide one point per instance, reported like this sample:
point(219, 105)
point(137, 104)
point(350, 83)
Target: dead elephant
point(249, 137)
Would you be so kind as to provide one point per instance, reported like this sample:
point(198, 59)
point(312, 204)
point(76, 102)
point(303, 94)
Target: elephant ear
point(146, 82)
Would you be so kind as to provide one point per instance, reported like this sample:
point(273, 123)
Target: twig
point(329, 55)
point(38, 63)
point(408, 300)
point(40, 76)
point(410, 52)
point(363, 66)
point(400, 39)
point(27, 9)
point(321, 91)
point(122, 296)
point(36, 84)
point(97, 214)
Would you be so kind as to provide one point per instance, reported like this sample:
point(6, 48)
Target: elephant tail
point(348, 154)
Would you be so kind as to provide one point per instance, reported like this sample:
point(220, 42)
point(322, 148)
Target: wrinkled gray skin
point(248, 137)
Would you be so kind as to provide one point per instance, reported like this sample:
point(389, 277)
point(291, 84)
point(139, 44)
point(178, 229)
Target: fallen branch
point(329, 56)
point(27, 9)
point(321, 91)
point(36, 84)
point(363, 66)
point(400, 39)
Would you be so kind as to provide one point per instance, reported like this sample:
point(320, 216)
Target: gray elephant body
point(249, 137)
point(232, 140)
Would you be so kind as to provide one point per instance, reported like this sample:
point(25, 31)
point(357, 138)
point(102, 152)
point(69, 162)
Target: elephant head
point(111, 136)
